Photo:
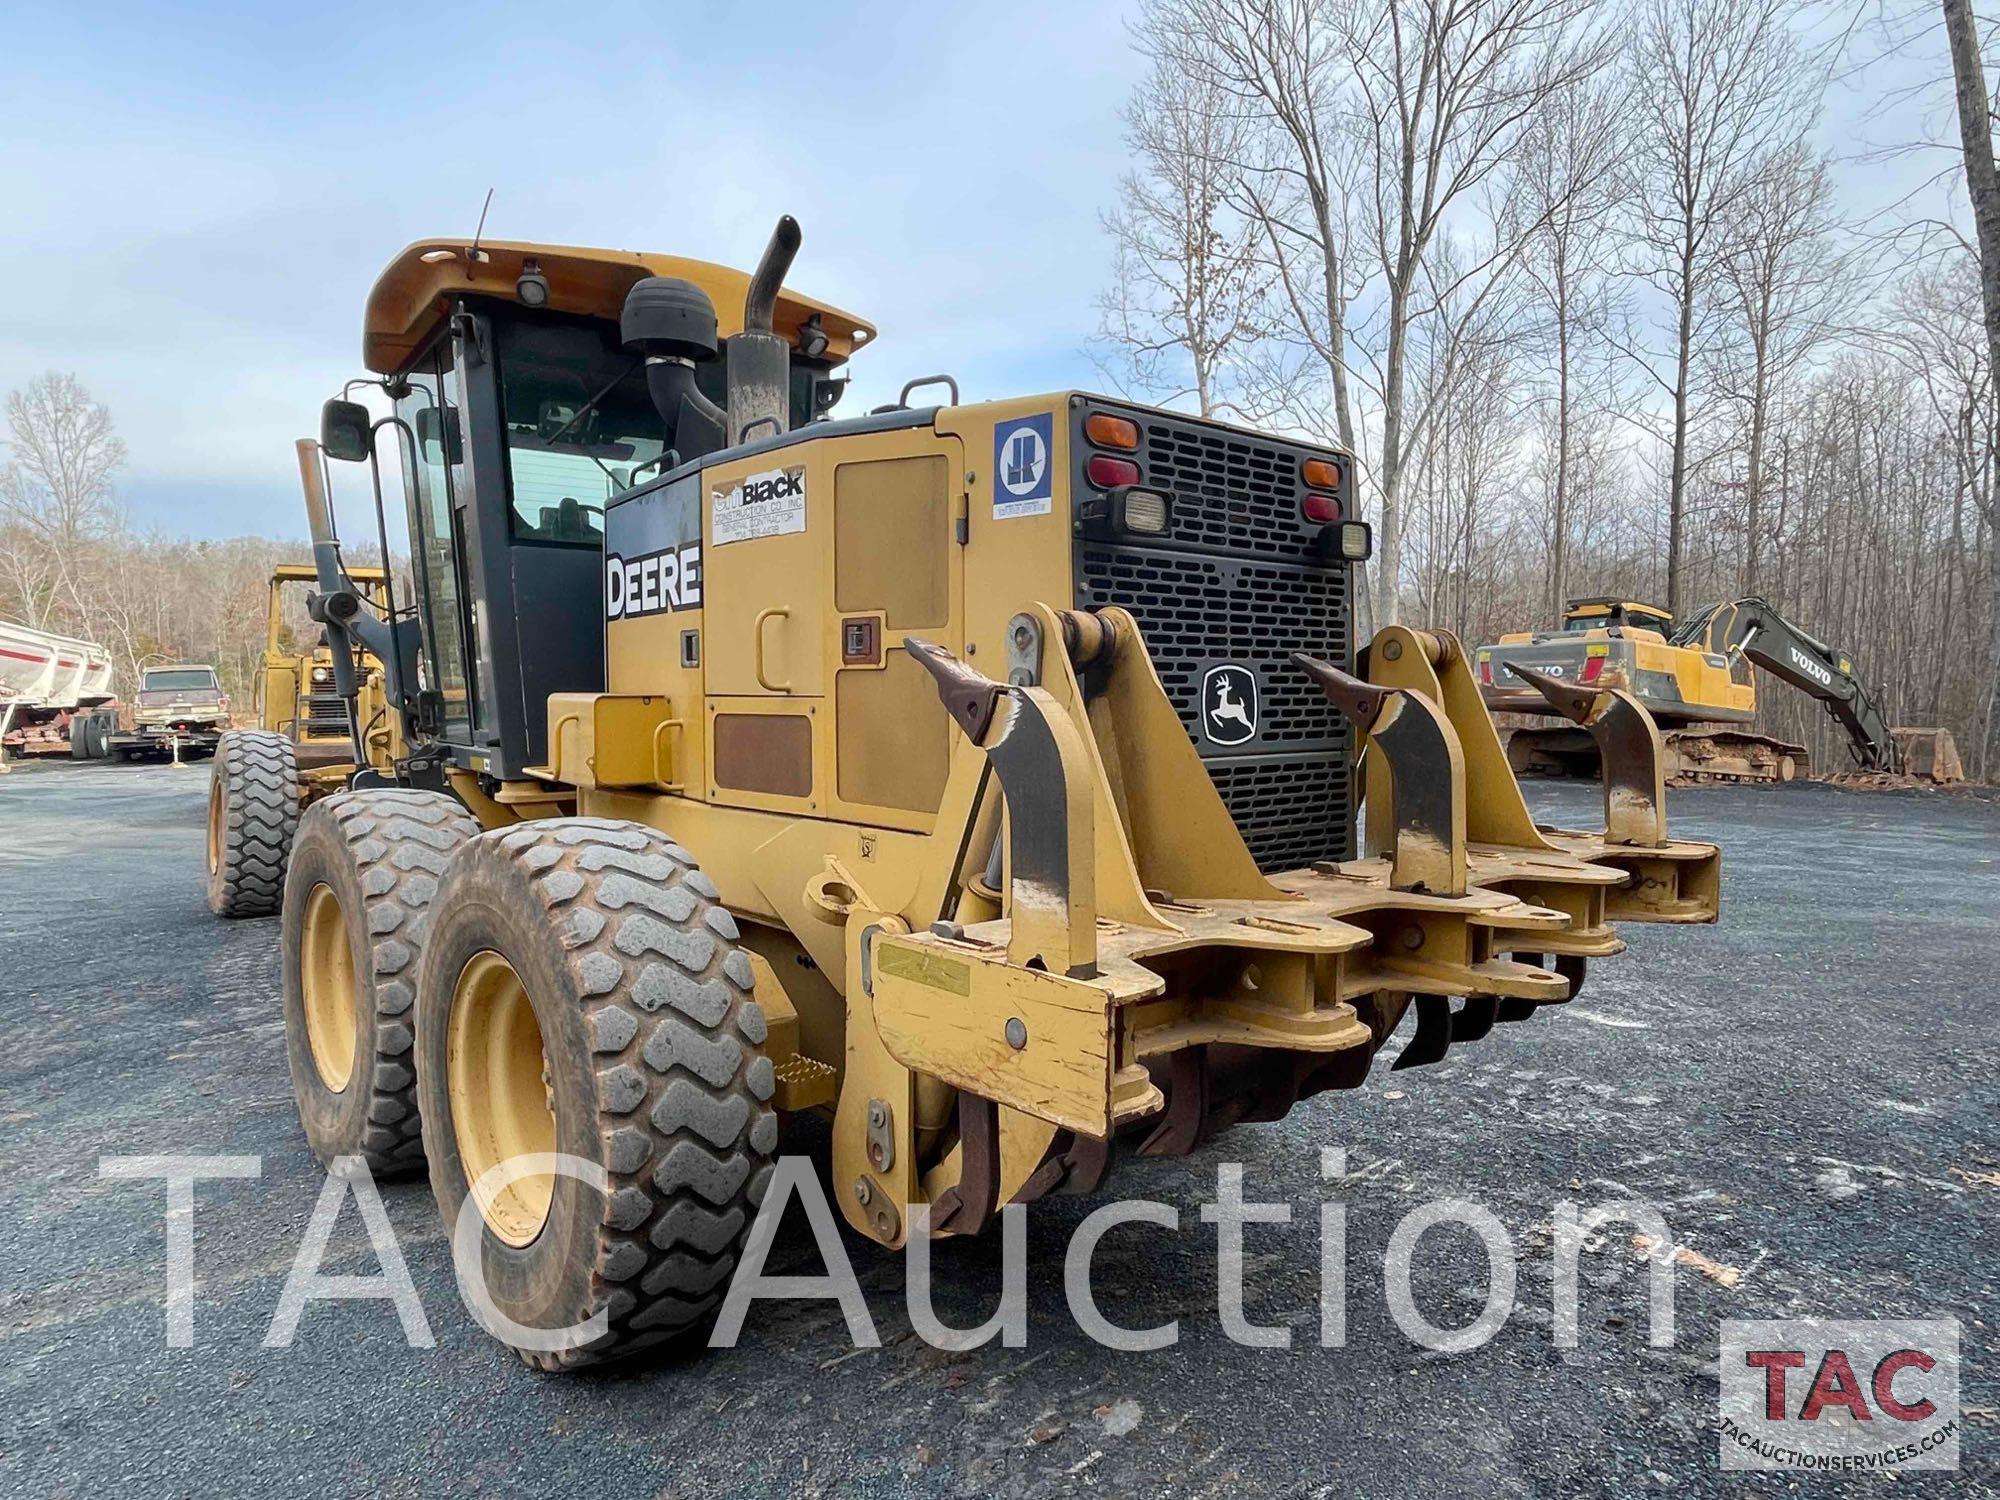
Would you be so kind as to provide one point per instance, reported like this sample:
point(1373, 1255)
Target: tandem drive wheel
point(364, 868)
point(253, 810)
point(583, 992)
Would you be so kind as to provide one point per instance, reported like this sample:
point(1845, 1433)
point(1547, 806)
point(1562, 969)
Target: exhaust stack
point(758, 361)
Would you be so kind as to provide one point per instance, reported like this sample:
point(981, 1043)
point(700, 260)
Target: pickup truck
point(179, 711)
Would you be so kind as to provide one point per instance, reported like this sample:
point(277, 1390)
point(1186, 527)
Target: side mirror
point(437, 427)
point(346, 431)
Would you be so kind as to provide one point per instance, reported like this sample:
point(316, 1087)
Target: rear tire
point(603, 944)
point(253, 811)
point(364, 869)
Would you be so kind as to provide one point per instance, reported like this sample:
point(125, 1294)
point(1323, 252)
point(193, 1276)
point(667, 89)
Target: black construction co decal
point(653, 584)
point(1229, 704)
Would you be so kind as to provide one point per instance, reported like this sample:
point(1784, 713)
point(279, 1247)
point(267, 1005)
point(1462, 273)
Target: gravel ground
point(1808, 1090)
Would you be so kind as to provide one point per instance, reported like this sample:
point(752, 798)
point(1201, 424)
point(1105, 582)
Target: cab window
point(180, 680)
point(580, 426)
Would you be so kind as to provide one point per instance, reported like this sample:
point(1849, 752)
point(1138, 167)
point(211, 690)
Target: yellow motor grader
point(304, 746)
point(295, 694)
point(983, 777)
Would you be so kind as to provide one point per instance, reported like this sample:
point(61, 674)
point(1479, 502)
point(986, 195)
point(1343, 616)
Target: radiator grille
point(322, 713)
point(1289, 811)
point(1238, 582)
point(1289, 788)
point(1229, 491)
point(1198, 611)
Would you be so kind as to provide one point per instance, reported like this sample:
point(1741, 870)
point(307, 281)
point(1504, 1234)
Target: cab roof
point(287, 572)
point(1608, 604)
point(411, 298)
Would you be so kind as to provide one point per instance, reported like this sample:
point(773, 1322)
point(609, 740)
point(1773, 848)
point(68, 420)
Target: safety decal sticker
point(1023, 481)
point(758, 505)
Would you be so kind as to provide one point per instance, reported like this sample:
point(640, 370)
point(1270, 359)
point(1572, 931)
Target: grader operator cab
point(982, 777)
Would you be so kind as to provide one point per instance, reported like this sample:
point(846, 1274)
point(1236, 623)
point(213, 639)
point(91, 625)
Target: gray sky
point(199, 196)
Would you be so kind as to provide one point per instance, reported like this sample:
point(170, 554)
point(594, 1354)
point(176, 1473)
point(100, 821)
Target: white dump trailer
point(53, 693)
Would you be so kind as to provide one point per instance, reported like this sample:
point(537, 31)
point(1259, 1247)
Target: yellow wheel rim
point(500, 1102)
point(326, 979)
point(214, 824)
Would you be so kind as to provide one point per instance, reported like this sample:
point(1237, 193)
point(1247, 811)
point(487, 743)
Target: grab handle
point(777, 612)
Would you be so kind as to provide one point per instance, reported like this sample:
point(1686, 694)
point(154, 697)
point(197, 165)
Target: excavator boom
point(1754, 629)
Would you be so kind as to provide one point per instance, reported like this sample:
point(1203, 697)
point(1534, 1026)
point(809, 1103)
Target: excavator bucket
point(1929, 755)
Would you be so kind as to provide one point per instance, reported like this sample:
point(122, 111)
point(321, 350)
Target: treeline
point(72, 561)
point(1574, 282)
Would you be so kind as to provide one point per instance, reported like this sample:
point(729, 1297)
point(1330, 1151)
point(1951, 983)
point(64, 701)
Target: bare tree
point(1784, 282)
point(1294, 168)
point(1716, 85)
point(1382, 120)
point(1463, 467)
point(1188, 277)
point(1445, 92)
point(1566, 186)
point(56, 500)
point(1982, 181)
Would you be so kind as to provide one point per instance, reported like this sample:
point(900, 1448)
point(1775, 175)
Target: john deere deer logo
point(1229, 704)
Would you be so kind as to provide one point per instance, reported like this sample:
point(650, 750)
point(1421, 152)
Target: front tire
point(583, 992)
point(253, 812)
point(364, 870)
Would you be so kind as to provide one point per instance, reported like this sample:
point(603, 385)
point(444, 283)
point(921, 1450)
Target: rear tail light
point(1321, 510)
point(1322, 473)
point(1486, 670)
point(1108, 473)
point(1592, 670)
point(1108, 431)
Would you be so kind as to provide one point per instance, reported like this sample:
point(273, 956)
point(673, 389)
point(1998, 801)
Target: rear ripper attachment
point(1631, 871)
point(1123, 976)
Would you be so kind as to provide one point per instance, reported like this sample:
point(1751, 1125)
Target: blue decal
point(1023, 466)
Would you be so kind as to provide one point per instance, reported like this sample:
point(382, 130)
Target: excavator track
point(1694, 757)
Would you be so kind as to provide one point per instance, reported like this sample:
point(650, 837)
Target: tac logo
point(1229, 704)
point(1021, 469)
point(1839, 1396)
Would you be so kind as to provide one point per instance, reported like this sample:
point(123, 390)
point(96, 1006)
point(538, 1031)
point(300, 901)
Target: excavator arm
point(1754, 629)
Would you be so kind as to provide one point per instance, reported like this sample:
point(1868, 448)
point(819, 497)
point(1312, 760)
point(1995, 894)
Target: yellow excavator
point(1686, 674)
